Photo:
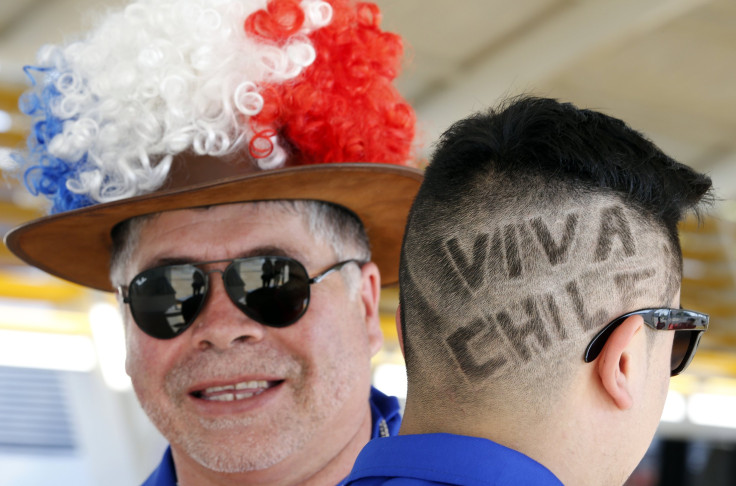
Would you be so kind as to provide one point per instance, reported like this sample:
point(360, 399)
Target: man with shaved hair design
point(540, 302)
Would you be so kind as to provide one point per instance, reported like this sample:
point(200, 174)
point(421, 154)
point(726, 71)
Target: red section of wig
point(280, 20)
point(342, 108)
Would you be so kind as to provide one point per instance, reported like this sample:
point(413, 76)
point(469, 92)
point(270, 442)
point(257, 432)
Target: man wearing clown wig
point(237, 172)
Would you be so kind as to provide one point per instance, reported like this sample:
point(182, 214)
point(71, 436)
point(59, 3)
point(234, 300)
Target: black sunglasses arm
point(337, 266)
point(657, 319)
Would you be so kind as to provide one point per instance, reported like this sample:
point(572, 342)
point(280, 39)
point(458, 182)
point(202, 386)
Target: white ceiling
point(664, 66)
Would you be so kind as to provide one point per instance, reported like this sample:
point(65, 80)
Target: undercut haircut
point(535, 225)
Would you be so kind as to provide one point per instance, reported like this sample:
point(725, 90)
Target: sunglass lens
point(164, 301)
point(681, 347)
point(271, 290)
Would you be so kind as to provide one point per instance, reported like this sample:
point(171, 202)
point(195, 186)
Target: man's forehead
point(232, 230)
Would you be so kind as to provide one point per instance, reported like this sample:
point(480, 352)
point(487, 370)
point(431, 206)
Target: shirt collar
point(451, 459)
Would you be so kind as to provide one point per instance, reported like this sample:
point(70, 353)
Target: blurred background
point(67, 414)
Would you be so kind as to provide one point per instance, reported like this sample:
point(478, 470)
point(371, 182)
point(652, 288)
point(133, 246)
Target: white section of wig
point(317, 14)
point(162, 77)
point(276, 158)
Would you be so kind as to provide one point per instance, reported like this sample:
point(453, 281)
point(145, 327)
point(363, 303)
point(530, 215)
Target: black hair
point(561, 141)
point(532, 217)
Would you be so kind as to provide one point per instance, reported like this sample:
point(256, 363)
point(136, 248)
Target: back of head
point(536, 224)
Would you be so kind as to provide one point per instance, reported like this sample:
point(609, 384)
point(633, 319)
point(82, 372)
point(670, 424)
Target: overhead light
point(711, 409)
point(391, 379)
point(47, 351)
point(675, 407)
point(35, 335)
point(109, 339)
point(6, 121)
point(6, 161)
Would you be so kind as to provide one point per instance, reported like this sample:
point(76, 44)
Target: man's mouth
point(236, 391)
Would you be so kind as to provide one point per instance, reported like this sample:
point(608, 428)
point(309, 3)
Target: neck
point(566, 439)
point(319, 462)
point(526, 434)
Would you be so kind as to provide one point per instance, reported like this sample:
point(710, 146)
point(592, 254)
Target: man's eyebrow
point(266, 251)
point(252, 252)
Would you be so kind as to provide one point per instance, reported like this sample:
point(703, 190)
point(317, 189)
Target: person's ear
point(370, 293)
point(399, 331)
point(616, 363)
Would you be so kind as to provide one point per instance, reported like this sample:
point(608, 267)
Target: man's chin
point(233, 461)
point(228, 446)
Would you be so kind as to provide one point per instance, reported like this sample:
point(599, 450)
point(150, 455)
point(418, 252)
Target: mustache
point(231, 364)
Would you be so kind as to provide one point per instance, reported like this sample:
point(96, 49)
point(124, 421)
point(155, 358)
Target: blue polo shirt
point(384, 413)
point(413, 460)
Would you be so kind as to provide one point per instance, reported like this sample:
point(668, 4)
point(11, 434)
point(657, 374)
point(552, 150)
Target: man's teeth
point(229, 397)
point(220, 393)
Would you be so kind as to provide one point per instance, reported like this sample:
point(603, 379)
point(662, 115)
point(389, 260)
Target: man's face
point(301, 392)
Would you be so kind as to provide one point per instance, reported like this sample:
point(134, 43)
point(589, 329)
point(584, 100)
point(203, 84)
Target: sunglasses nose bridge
point(209, 281)
point(206, 272)
point(222, 322)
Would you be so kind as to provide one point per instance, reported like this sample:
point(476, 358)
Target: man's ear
point(399, 331)
point(616, 364)
point(370, 293)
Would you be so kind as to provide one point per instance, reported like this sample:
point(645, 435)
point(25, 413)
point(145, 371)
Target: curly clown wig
point(285, 81)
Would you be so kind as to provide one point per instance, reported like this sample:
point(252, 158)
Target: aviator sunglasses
point(272, 290)
point(688, 325)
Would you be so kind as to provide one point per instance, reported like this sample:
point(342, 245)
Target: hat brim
point(76, 245)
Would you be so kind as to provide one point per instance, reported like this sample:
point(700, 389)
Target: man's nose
point(220, 324)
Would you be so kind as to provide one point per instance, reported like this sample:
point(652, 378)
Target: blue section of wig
point(47, 175)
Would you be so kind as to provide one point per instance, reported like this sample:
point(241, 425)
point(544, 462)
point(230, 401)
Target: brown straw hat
point(76, 245)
